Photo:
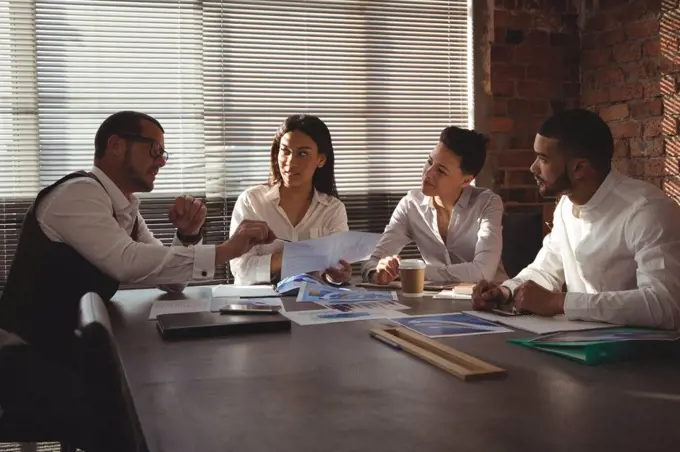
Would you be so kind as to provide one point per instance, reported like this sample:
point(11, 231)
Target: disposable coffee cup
point(412, 274)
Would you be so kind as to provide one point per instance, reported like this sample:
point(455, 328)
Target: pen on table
point(284, 240)
point(386, 341)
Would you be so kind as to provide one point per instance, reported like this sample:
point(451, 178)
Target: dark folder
point(209, 324)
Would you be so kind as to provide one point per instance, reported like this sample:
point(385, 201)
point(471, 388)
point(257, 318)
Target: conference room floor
point(331, 387)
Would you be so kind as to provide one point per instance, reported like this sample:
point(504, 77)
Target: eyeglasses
point(155, 151)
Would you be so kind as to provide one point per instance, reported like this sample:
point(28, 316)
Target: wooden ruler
point(449, 359)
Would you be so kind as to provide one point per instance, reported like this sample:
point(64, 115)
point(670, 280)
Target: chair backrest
point(105, 377)
point(522, 240)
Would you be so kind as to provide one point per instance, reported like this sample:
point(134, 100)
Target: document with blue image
point(444, 325)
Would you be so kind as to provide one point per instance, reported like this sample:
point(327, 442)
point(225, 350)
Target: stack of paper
point(232, 290)
point(344, 305)
point(459, 292)
point(218, 302)
point(444, 325)
point(316, 293)
point(178, 306)
point(322, 316)
point(539, 325)
point(221, 295)
point(453, 294)
point(464, 288)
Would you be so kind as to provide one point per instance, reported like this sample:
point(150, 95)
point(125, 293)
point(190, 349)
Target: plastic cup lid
point(412, 264)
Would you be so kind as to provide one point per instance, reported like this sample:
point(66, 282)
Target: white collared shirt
point(326, 215)
point(474, 240)
point(620, 259)
point(79, 213)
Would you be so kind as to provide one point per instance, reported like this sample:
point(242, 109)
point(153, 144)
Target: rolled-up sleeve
point(204, 257)
point(80, 216)
point(255, 266)
point(395, 237)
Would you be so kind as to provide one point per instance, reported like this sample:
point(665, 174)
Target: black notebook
point(209, 324)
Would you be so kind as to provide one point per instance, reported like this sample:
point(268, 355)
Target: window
point(386, 76)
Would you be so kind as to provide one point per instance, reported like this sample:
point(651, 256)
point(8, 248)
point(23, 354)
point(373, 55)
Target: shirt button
point(204, 273)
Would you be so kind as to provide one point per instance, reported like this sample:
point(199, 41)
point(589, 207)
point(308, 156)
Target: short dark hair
point(469, 145)
point(123, 122)
point(583, 134)
point(324, 177)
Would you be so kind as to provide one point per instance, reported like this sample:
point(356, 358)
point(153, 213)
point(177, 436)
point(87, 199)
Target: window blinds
point(386, 77)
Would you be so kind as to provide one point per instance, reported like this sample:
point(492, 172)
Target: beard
point(561, 186)
point(136, 179)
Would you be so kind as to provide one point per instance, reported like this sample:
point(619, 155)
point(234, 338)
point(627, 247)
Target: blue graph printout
point(328, 294)
point(442, 325)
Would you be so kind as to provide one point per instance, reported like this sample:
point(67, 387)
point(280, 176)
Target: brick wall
point(670, 91)
point(535, 71)
point(630, 76)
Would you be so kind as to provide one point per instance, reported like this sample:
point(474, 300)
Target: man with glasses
point(83, 234)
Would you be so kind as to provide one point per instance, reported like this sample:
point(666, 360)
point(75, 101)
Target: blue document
point(328, 295)
point(443, 325)
point(291, 286)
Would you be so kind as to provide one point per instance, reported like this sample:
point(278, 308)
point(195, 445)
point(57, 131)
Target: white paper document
point(232, 290)
point(218, 302)
point(366, 306)
point(178, 306)
point(312, 292)
point(333, 316)
point(453, 294)
point(540, 325)
point(324, 252)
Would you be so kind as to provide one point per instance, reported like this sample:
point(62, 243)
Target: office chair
point(522, 240)
point(105, 377)
point(14, 430)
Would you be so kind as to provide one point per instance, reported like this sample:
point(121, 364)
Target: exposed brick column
point(620, 76)
point(669, 33)
point(535, 71)
point(630, 74)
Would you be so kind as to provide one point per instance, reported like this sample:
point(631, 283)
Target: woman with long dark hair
point(300, 201)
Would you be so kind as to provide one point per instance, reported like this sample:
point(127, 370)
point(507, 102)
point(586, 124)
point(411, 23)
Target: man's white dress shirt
point(620, 257)
point(326, 215)
point(474, 240)
point(79, 213)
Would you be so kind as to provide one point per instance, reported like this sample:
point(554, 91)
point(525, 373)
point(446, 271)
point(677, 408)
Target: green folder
point(594, 347)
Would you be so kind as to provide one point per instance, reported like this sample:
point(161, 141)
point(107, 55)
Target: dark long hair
point(324, 177)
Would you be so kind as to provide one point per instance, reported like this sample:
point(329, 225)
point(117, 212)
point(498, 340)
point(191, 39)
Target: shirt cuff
point(263, 268)
point(512, 284)
point(438, 273)
point(204, 262)
point(253, 269)
point(367, 268)
point(576, 306)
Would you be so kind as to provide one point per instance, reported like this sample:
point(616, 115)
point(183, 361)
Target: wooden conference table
point(333, 388)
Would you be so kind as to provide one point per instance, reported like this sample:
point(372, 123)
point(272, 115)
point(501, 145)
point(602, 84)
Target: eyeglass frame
point(162, 153)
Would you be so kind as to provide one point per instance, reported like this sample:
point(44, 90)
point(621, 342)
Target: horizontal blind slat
point(221, 75)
